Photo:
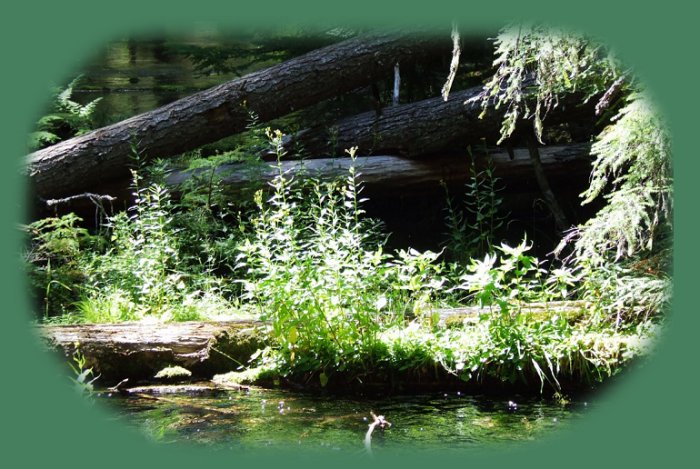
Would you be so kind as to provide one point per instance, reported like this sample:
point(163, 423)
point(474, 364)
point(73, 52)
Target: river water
point(257, 418)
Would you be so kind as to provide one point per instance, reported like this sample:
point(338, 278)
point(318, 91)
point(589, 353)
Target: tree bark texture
point(424, 127)
point(391, 173)
point(104, 154)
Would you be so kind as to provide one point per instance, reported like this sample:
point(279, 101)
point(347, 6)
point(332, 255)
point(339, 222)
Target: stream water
point(255, 419)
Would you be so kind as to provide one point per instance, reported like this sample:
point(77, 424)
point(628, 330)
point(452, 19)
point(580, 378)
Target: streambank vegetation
point(291, 223)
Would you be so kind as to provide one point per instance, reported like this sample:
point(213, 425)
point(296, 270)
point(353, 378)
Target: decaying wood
point(390, 173)
point(140, 350)
point(103, 155)
point(96, 199)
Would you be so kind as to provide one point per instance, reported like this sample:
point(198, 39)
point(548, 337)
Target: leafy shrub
point(512, 279)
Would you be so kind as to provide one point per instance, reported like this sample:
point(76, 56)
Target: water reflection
point(136, 76)
point(264, 418)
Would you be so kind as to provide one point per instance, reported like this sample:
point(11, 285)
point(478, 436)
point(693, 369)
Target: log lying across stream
point(139, 350)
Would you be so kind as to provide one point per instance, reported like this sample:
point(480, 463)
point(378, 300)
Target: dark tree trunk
point(103, 155)
point(424, 127)
point(542, 178)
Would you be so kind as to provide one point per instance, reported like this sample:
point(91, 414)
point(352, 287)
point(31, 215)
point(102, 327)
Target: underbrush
point(304, 257)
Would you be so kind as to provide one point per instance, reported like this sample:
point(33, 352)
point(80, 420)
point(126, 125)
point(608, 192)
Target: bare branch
point(454, 65)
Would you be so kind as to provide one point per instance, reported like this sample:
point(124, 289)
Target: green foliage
point(513, 278)
point(317, 271)
point(173, 373)
point(65, 119)
point(84, 378)
point(633, 163)
point(471, 232)
point(143, 260)
point(540, 63)
point(246, 50)
point(54, 260)
point(134, 269)
point(624, 296)
point(516, 349)
point(142, 273)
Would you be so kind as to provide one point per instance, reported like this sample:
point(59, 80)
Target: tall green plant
point(58, 247)
point(471, 230)
point(505, 281)
point(316, 267)
point(142, 274)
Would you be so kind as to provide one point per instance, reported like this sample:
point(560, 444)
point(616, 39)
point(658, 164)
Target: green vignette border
point(645, 420)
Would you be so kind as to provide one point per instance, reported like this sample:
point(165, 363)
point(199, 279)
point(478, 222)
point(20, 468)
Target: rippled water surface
point(262, 418)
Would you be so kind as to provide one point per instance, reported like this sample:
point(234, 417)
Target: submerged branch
point(379, 421)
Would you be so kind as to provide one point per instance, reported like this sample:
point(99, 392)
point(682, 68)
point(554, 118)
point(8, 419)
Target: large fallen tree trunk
point(103, 155)
point(424, 127)
point(389, 173)
point(380, 174)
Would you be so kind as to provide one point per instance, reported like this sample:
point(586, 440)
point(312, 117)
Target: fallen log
point(381, 174)
point(571, 310)
point(425, 127)
point(104, 154)
point(140, 350)
point(389, 173)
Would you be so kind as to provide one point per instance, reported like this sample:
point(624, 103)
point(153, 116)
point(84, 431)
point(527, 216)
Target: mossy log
point(139, 350)
point(571, 310)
